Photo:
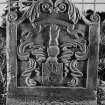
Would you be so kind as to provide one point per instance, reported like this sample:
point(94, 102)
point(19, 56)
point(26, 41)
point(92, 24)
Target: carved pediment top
point(63, 10)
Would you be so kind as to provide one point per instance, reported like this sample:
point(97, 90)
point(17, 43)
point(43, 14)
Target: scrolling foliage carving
point(52, 46)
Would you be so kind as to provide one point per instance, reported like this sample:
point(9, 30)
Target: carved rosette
point(12, 17)
point(95, 18)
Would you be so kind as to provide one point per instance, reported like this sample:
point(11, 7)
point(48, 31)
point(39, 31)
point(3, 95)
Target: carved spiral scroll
point(95, 18)
point(82, 54)
point(30, 82)
point(75, 73)
point(39, 52)
point(74, 70)
point(67, 52)
point(72, 52)
point(12, 17)
point(23, 54)
point(32, 67)
point(27, 73)
point(73, 82)
point(25, 49)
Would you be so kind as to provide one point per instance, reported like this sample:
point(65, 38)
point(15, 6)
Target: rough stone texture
point(19, 102)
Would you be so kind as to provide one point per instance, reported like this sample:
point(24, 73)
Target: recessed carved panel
point(52, 47)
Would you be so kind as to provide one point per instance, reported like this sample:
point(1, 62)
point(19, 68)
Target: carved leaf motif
point(23, 54)
point(32, 67)
point(74, 70)
point(28, 71)
point(83, 50)
point(30, 82)
point(73, 13)
point(73, 82)
point(33, 12)
point(39, 52)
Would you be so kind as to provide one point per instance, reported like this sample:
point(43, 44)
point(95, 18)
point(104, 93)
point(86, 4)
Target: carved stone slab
point(53, 53)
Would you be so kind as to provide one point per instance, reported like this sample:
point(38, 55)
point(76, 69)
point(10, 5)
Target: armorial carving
point(52, 53)
point(53, 42)
point(53, 50)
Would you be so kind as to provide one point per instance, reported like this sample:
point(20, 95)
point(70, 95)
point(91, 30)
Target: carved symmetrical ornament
point(52, 50)
point(52, 54)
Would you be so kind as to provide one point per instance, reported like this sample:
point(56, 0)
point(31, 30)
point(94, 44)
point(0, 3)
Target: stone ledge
point(11, 101)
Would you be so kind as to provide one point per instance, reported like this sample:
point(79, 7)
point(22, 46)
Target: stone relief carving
point(52, 50)
point(37, 59)
point(50, 47)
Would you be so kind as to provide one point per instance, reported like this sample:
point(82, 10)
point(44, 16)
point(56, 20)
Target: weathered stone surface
point(51, 56)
